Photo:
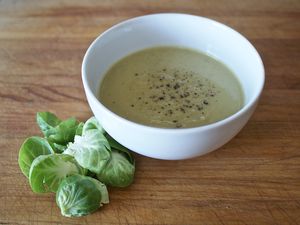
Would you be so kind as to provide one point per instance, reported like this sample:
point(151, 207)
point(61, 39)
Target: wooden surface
point(254, 179)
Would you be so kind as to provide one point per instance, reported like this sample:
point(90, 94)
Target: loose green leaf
point(80, 195)
point(116, 145)
point(79, 129)
point(63, 133)
point(47, 171)
point(118, 172)
point(91, 124)
point(47, 121)
point(91, 150)
point(31, 149)
point(58, 133)
point(59, 148)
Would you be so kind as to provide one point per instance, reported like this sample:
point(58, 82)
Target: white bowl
point(195, 32)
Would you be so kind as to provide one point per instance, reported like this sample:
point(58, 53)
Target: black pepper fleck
point(186, 94)
point(176, 86)
point(199, 107)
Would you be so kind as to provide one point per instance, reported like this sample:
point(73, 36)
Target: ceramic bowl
point(183, 30)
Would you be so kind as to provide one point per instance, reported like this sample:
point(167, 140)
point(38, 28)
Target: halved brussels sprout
point(80, 195)
point(118, 172)
point(91, 150)
point(31, 149)
point(47, 171)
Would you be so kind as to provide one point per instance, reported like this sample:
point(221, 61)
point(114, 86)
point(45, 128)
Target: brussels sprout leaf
point(47, 171)
point(64, 132)
point(30, 149)
point(79, 129)
point(116, 145)
point(118, 172)
point(91, 124)
point(91, 150)
point(58, 133)
point(58, 148)
point(46, 121)
point(80, 195)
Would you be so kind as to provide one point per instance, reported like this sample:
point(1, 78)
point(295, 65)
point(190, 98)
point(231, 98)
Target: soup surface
point(171, 87)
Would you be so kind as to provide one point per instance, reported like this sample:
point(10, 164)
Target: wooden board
point(254, 179)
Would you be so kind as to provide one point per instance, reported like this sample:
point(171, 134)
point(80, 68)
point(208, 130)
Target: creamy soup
point(171, 87)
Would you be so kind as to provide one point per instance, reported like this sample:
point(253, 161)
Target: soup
point(171, 87)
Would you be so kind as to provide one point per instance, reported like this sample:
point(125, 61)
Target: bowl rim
point(219, 123)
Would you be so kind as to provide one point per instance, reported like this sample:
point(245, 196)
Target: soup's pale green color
point(171, 87)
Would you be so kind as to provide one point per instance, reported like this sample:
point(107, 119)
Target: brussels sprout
point(47, 171)
point(30, 149)
point(92, 123)
point(91, 150)
point(80, 195)
point(88, 154)
point(118, 172)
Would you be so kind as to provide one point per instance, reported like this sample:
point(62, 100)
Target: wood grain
point(254, 179)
